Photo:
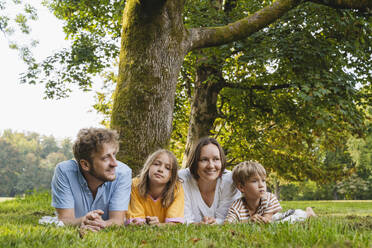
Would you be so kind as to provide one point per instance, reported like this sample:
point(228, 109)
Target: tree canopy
point(27, 161)
point(283, 85)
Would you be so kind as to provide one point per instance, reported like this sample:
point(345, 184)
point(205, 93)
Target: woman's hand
point(209, 220)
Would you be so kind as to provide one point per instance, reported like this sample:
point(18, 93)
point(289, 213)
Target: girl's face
point(209, 164)
point(161, 169)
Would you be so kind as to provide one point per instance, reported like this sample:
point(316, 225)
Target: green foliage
point(291, 92)
point(340, 224)
point(94, 30)
point(27, 161)
point(15, 17)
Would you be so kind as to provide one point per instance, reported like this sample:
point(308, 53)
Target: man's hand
point(208, 220)
point(152, 220)
point(93, 221)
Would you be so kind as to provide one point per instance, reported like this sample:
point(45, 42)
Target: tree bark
point(152, 52)
point(204, 105)
point(154, 43)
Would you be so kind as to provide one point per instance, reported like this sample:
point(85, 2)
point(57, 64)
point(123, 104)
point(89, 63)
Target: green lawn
point(2, 199)
point(340, 224)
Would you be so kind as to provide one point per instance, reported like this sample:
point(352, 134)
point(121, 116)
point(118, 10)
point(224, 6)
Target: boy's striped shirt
point(239, 212)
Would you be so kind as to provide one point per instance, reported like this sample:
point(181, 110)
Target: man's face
point(104, 163)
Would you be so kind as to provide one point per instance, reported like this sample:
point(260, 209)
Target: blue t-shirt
point(70, 190)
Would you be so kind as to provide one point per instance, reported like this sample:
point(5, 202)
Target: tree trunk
point(208, 84)
point(154, 43)
point(152, 52)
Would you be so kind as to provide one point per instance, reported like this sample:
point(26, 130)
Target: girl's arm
point(175, 212)
point(136, 212)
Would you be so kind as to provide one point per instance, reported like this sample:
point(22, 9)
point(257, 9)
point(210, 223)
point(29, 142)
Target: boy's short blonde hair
point(244, 170)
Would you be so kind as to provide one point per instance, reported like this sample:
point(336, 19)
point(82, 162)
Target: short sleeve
point(232, 215)
point(273, 205)
point(228, 194)
point(62, 196)
point(175, 212)
point(136, 209)
point(121, 194)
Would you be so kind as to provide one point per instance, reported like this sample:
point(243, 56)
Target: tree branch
point(258, 87)
point(215, 36)
point(346, 4)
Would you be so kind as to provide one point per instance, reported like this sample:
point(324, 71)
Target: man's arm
point(116, 218)
point(67, 216)
point(92, 220)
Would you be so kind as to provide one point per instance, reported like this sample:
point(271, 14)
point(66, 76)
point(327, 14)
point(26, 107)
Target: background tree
point(147, 83)
point(27, 161)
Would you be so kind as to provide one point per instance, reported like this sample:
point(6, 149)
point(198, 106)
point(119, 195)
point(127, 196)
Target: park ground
point(339, 224)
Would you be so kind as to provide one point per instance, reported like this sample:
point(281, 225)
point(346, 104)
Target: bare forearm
point(116, 222)
point(71, 221)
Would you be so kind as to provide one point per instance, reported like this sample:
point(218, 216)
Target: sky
point(22, 107)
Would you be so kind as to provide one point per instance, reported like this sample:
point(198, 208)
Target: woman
point(208, 187)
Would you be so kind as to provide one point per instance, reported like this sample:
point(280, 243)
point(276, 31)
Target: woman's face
point(209, 164)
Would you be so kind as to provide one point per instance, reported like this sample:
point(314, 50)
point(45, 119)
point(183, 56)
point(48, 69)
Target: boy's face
point(254, 188)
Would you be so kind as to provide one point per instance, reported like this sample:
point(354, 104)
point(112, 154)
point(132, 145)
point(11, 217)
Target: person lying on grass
point(208, 186)
point(93, 190)
point(157, 195)
point(256, 204)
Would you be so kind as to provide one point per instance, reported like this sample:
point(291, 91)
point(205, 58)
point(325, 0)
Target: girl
point(157, 194)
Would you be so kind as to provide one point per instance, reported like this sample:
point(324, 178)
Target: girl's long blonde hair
point(144, 181)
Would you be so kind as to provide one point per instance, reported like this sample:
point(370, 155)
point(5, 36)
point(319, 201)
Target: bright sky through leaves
point(22, 106)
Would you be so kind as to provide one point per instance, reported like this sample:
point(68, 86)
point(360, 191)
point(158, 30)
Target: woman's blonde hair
point(244, 170)
point(144, 182)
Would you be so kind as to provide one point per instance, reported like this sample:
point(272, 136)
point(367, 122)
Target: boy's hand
point(152, 220)
point(259, 219)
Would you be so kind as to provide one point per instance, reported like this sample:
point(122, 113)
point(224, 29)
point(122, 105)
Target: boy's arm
point(267, 217)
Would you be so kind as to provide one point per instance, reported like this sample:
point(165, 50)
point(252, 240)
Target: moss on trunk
point(150, 60)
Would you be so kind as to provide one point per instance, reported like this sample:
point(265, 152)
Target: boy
point(257, 205)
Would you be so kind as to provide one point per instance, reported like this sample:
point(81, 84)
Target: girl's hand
point(209, 220)
point(137, 222)
point(152, 220)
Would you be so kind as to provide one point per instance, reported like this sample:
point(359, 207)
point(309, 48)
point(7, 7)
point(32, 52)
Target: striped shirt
point(239, 212)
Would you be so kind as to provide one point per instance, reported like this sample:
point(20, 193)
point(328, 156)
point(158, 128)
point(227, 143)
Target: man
point(92, 191)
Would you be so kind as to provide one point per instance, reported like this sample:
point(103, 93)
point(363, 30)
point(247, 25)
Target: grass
point(2, 199)
point(340, 224)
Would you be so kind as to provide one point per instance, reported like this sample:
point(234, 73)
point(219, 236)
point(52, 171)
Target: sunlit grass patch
point(2, 199)
point(349, 228)
point(333, 208)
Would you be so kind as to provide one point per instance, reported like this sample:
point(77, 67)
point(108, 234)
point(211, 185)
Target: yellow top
point(140, 207)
